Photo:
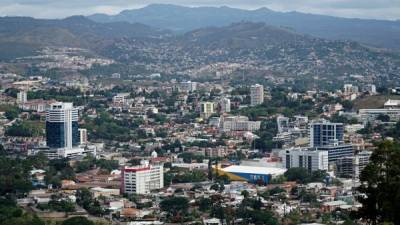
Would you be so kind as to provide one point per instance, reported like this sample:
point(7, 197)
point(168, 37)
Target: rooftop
point(254, 170)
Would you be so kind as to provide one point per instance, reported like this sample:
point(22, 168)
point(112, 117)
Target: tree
point(297, 174)
point(175, 205)
point(380, 186)
point(85, 199)
point(77, 220)
point(11, 113)
point(204, 204)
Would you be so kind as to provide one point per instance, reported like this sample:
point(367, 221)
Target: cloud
point(376, 9)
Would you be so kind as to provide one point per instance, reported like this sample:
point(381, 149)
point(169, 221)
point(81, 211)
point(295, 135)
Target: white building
point(371, 114)
point(283, 124)
point(256, 94)
point(239, 123)
point(370, 88)
point(350, 89)
point(392, 104)
point(224, 105)
point(83, 136)
point(312, 160)
point(22, 97)
point(187, 86)
point(120, 99)
point(142, 179)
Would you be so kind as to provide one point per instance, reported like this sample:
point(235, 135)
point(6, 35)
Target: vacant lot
point(370, 102)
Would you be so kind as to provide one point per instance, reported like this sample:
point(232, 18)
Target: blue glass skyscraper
point(62, 126)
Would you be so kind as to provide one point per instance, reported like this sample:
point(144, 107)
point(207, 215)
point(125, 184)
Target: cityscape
point(198, 115)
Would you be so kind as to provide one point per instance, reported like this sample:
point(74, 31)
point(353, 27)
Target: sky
point(366, 9)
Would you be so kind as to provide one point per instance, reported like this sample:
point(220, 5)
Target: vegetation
point(380, 187)
point(57, 204)
point(303, 176)
point(176, 207)
point(85, 199)
point(11, 214)
point(77, 220)
point(91, 162)
point(25, 129)
point(10, 112)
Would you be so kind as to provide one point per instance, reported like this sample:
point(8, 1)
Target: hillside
point(256, 46)
point(28, 34)
point(379, 33)
point(260, 46)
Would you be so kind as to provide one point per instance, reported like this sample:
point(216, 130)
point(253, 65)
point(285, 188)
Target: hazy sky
point(376, 9)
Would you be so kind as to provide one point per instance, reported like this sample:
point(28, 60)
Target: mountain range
point(256, 45)
point(377, 33)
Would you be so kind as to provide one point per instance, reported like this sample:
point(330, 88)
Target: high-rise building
point(207, 109)
point(224, 105)
point(283, 124)
point(62, 126)
point(337, 151)
point(187, 86)
point(350, 89)
point(352, 166)
point(256, 94)
point(83, 136)
point(324, 133)
point(312, 160)
point(22, 97)
point(142, 179)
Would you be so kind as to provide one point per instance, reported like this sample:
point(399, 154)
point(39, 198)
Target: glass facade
point(56, 137)
point(325, 133)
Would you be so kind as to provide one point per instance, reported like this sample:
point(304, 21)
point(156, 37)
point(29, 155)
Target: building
point(207, 109)
point(62, 126)
point(239, 123)
point(324, 133)
point(350, 89)
point(337, 151)
point(256, 94)
point(224, 105)
point(352, 166)
point(310, 159)
point(250, 174)
point(142, 179)
point(120, 99)
point(370, 88)
point(392, 104)
point(187, 86)
point(370, 115)
point(83, 139)
point(22, 97)
point(283, 124)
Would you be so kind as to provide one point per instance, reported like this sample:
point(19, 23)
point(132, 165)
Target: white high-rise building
point(312, 160)
point(83, 136)
point(350, 89)
point(283, 124)
point(22, 97)
point(225, 105)
point(187, 86)
point(142, 179)
point(256, 94)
